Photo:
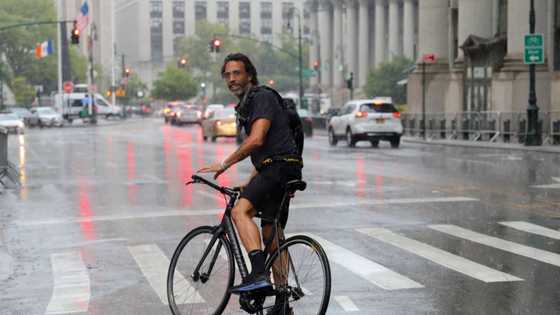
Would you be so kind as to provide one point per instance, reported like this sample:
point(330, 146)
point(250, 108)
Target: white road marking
point(441, 257)
point(550, 186)
point(515, 248)
point(209, 212)
point(71, 292)
point(154, 264)
point(532, 228)
point(346, 303)
point(371, 271)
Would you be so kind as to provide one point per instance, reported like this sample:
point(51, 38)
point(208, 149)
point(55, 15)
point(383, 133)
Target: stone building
point(479, 48)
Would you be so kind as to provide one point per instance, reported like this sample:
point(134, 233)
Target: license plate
point(380, 120)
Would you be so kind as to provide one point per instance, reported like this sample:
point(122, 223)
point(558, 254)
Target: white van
point(76, 105)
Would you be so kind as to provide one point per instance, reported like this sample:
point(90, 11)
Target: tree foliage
point(383, 80)
point(135, 85)
point(17, 45)
point(279, 64)
point(174, 84)
point(23, 92)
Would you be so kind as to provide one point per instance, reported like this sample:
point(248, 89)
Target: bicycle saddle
point(294, 185)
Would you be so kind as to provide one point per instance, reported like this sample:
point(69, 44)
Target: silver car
point(45, 117)
point(12, 122)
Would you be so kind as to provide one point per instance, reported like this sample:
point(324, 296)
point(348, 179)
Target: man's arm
point(259, 130)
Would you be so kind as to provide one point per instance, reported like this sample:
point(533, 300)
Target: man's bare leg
point(242, 215)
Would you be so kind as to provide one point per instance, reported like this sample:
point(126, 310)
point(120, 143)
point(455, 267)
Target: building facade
point(355, 36)
point(479, 48)
point(148, 31)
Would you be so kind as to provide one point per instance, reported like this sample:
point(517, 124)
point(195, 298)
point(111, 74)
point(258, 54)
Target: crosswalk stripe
point(71, 292)
point(515, 248)
point(154, 264)
point(346, 303)
point(371, 271)
point(441, 257)
point(532, 228)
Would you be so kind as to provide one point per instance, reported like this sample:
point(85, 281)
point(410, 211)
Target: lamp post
point(300, 58)
point(533, 137)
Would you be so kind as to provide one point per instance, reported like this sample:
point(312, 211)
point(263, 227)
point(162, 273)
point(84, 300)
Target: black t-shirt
point(279, 140)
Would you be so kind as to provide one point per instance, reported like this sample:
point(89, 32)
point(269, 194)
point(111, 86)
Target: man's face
point(236, 77)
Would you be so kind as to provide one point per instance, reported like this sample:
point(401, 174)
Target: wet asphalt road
point(472, 231)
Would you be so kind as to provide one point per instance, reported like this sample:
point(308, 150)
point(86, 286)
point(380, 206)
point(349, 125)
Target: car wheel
point(374, 143)
point(395, 142)
point(332, 138)
point(350, 141)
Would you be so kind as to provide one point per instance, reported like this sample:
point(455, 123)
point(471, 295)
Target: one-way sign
point(534, 49)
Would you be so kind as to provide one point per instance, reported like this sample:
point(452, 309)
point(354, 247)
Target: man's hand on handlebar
point(213, 168)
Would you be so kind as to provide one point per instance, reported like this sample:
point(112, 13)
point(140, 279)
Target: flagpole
point(59, 46)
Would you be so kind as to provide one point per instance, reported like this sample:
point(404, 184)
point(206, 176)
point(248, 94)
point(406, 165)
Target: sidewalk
point(474, 144)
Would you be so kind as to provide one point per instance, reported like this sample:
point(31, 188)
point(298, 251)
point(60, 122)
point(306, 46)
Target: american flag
point(83, 19)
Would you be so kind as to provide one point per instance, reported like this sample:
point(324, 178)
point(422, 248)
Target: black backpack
point(289, 107)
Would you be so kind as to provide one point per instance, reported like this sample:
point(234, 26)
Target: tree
point(134, 86)
point(383, 80)
point(24, 93)
point(174, 84)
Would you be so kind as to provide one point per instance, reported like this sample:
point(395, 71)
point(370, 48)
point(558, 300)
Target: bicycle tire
point(315, 299)
point(198, 302)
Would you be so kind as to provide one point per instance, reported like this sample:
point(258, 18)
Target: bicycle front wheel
point(301, 272)
point(204, 290)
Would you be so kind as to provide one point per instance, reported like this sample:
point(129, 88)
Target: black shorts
point(266, 189)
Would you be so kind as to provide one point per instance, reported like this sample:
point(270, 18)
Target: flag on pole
point(44, 49)
point(82, 19)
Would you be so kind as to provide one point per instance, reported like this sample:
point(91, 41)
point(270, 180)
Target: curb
point(485, 145)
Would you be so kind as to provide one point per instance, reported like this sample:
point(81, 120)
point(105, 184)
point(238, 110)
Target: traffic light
point(182, 63)
point(127, 72)
point(215, 45)
point(350, 81)
point(316, 65)
point(75, 34)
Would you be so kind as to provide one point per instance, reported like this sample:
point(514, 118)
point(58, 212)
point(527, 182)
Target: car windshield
point(8, 117)
point(46, 110)
point(225, 113)
point(378, 108)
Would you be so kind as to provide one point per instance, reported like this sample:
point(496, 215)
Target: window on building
point(266, 10)
point(156, 8)
point(178, 9)
point(502, 17)
point(156, 31)
point(179, 27)
point(266, 27)
point(200, 10)
point(245, 27)
point(222, 11)
point(556, 34)
point(244, 10)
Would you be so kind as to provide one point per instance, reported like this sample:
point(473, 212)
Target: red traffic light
point(217, 43)
point(316, 64)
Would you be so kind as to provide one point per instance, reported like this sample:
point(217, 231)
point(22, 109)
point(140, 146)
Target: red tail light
point(397, 114)
point(219, 123)
point(361, 114)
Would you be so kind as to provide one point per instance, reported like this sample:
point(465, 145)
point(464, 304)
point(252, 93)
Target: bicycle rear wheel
point(204, 292)
point(302, 272)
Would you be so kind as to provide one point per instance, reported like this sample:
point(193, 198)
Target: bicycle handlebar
point(224, 190)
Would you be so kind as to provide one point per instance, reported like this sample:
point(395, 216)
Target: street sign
point(68, 86)
point(534, 49)
point(309, 73)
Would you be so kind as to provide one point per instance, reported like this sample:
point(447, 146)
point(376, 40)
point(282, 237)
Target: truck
point(76, 105)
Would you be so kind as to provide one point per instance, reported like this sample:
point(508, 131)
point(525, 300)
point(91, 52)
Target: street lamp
point(300, 58)
point(533, 137)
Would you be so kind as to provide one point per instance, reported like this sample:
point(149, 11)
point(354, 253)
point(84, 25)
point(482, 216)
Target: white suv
point(374, 120)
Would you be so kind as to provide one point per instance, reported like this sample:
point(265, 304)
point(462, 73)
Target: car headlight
point(20, 124)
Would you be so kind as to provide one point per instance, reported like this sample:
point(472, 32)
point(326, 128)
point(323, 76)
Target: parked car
point(45, 117)
point(373, 119)
point(306, 122)
point(23, 113)
point(188, 114)
point(220, 123)
point(12, 122)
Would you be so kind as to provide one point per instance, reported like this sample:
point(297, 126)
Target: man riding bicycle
point(274, 154)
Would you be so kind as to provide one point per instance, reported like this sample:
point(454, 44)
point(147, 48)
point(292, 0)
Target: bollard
point(442, 128)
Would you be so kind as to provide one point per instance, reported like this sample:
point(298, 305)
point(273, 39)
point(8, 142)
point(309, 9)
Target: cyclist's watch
point(223, 165)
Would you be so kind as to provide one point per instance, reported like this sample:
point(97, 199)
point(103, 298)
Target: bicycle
point(207, 253)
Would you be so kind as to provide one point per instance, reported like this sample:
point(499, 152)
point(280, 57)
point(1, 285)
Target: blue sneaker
point(253, 283)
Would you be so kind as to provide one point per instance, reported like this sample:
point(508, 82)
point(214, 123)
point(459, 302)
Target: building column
point(338, 45)
point(363, 35)
point(380, 32)
point(408, 29)
point(352, 53)
point(394, 30)
point(433, 28)
point(325, 27)
point(481, 26)
point(314, 29)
